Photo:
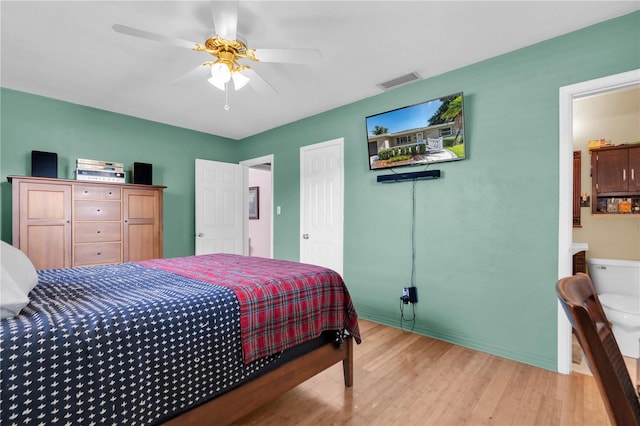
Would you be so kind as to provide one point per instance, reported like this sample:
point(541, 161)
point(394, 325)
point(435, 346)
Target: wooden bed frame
point(242, 400)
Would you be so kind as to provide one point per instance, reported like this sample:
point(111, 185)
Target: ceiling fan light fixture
point(239, 80)
point(220, 75)
point(217, 84)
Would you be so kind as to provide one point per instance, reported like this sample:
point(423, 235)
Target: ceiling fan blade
point(225, 18)
point(291, 56)
point(198, 73)
point(153, 36)
point(258, 83)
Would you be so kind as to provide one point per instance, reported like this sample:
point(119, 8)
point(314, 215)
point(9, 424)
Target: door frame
point(567, 95)
point(265, 159)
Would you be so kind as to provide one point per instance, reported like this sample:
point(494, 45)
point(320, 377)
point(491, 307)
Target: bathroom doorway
point(260, 222)
point(615, 116)
point(568, 95)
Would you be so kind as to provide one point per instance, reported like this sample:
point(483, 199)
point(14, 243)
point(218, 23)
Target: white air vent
point(399, 81)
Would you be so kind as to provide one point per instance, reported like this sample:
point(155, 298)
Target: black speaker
point(44, 164)
point(399, 177)
point(142, 173)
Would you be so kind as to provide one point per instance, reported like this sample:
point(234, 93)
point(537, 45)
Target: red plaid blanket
point(282, 303)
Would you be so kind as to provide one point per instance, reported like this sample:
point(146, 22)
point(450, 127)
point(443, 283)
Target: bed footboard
point(239, 402)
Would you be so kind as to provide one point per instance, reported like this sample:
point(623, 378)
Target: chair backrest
point(593, 331)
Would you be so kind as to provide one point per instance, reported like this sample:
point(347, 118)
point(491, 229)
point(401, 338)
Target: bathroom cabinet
point(615, 177)
point(580, 262)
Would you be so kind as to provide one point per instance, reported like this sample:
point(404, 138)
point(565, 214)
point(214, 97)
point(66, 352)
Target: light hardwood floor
point(631, 363)
point(408, 379)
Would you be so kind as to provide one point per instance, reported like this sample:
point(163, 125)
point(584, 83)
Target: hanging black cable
point(413, 234)
point(413, 262)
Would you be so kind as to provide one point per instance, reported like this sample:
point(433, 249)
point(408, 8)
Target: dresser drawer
point(96, 192)
point(97, 232)
point(92, 254)
point(97, 210)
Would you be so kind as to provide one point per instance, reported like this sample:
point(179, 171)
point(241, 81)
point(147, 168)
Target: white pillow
point(18, 276)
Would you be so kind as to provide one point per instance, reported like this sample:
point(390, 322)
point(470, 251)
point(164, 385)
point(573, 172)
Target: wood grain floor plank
point(405, 379)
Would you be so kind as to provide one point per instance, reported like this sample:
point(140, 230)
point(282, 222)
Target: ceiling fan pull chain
point(226, 98)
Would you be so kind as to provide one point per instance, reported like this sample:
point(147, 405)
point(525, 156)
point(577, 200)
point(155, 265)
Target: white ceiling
point(67, 50)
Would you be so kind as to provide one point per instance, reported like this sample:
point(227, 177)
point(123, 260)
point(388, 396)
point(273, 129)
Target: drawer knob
point(98, 210)
point(99, 231)
point(98, 253)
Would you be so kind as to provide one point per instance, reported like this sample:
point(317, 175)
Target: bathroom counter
point(578, 247)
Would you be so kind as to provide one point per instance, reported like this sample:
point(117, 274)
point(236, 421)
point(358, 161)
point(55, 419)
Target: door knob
point(200, 234)
point(305, 236)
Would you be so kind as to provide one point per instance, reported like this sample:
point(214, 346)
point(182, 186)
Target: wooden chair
point(593, 331)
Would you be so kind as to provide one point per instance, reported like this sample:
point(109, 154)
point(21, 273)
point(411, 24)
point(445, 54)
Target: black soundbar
point(399, 177)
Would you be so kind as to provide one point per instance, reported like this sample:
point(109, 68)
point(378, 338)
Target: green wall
point(35, 123)
point(486, 233)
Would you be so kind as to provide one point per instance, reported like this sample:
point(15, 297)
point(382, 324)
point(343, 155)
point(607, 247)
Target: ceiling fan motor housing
point(227, 52)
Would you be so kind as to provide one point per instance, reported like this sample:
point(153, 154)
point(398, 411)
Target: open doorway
point(568, 94)
point(259, 180)
point(615, 117)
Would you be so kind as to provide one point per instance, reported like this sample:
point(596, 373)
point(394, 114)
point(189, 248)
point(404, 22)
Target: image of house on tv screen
point(428, 132)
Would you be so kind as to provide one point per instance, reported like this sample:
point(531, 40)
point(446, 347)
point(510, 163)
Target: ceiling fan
point(228, 51)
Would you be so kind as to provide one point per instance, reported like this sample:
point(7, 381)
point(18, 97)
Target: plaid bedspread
point(282, 303)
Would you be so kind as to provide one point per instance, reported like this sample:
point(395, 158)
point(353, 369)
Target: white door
point(220, 212)
point(321, 204)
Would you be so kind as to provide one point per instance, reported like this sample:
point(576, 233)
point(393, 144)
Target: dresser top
point(80, 182)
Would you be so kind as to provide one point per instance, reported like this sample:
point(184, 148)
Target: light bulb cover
point(239, 80)
point(217, 84)
point(220, 75)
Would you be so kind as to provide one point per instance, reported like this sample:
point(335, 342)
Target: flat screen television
point(424, 133)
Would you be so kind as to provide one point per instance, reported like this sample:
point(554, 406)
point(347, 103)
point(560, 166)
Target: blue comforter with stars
point(119, 344)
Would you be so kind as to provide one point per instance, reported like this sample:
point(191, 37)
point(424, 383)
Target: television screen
point(428, 132)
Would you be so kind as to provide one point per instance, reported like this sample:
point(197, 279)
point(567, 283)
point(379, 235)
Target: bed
point(191, 340)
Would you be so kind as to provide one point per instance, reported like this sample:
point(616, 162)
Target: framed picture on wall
point(254, 202)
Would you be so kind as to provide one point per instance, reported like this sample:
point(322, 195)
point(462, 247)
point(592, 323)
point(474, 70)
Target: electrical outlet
point(405, 295)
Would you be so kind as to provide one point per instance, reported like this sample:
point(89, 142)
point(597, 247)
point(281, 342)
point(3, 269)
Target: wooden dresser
point(63, 223)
